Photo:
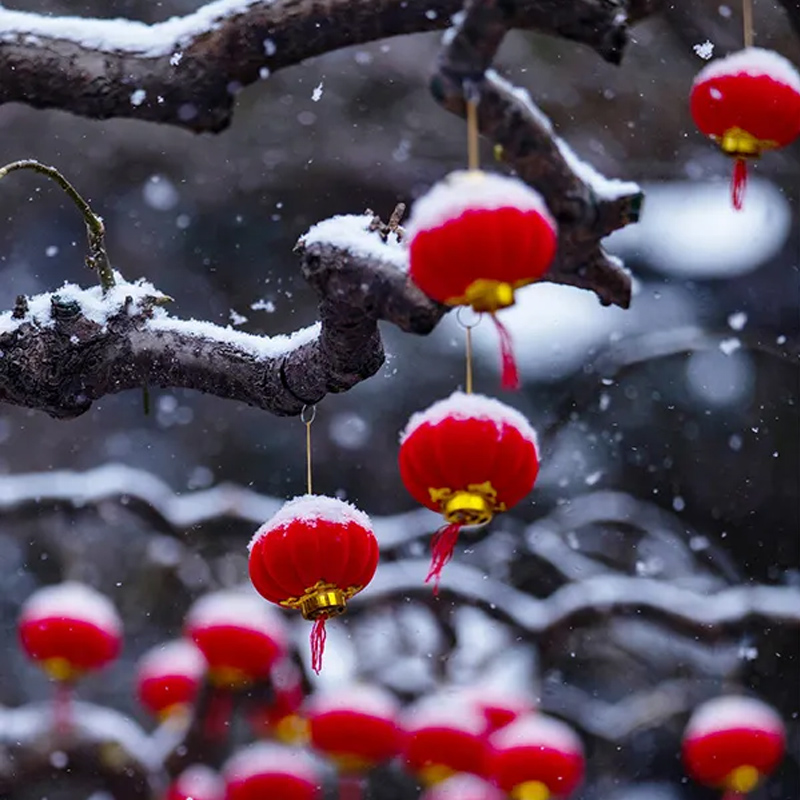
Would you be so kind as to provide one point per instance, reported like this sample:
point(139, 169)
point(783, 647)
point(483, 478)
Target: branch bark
point(186, 72)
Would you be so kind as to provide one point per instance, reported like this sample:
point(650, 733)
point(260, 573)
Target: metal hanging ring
point(470, 323)
point(308, 414)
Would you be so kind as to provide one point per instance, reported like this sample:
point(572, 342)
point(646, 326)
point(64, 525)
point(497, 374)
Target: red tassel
point(350, 787)
point(62, 707)
point(218, 713)
point(738, 183)
point(318, 637)
point(510, 375)
point(442, 546)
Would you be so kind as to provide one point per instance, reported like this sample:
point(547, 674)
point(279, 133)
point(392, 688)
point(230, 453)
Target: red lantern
point(443, 738)
point(748, 102)
point(733, 742)
point(314, 555)
point(474, 239)
point(463, 787)
point(70, 629)
point(271, 771)
point(357, 729)
point(197, 782)
point(468, 457)
point(535, 758)
point(498, 707)
point(280, 717)
point(169, 676)
point(239, 636)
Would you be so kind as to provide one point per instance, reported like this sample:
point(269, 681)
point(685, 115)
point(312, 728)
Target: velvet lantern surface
point(468, 457)
point(314, 555)
point(240, 637)
point(70, 629)
point(474, 239)
point(731, 743)
point(536, 758)
point(748, 103)
point(263, 771)
point(168, 677)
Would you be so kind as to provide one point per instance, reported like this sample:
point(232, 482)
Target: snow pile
point(723, 713)
point(198, 782)
point(691, 230)
point(470, 406)
point(463, 787)
point(538, 730)
point(262, 758)
point(72, 600)
point(351, 232)
point(179, 657)
point(235, 608)
point(313, 508)
point(121, 35)
point(753, 61)
point(443, 711)
point(369, 700)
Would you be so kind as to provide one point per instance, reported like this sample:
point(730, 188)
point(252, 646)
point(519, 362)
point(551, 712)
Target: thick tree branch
point(586, 205)
point(185, 72)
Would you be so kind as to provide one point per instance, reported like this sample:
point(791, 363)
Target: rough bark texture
point(197, 91)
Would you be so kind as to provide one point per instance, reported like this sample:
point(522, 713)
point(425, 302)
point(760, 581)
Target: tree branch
point(186, 71)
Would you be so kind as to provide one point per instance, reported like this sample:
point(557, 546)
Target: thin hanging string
point(747, 22)
point(473, 156)
point(467, 326)
point(307, 416)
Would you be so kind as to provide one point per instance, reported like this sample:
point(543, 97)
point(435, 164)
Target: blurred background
point(669, 432)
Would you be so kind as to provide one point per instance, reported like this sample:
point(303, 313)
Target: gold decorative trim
point(475, 505)
point(739, 143)
point(322, 599)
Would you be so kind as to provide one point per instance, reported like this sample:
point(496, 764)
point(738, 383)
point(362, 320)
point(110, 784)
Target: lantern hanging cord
point(747, 22)
point(307, 416)
point(472, 97)
point(467, 326)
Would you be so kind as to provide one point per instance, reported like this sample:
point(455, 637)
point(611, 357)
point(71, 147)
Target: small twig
point(392, 226)
point(97, 259)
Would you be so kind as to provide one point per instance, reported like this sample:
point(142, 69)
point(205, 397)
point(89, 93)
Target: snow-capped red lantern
point(468, 457)
point(535, 758)
point(463, 787)
point(474, 239)
point(747, 102)
point(357, 729)
point(314, 555)
point(498, 706)
point(443, 738)
point(168, 677)
point(197, 782)
point(280, 718)
point(733, 742)
point(70, 629)
point(240, 637)
point(264, 770)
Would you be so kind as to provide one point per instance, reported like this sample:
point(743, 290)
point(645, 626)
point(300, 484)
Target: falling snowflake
point(704, 50)
point(316, 95)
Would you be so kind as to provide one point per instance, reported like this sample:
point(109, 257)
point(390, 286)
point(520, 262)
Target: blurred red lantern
point(733, 742)
point(443, 738)
point(474, 239)
point(747, 102)
point(357, 729)
point(169, 676)
point(70, 629)
point(535, 758)
point(314, 555)
point(271, 771)
point(498, 707)
point(197, 782)
point(239, 636)
point(463, 787)
point(280, 717)
point(468, 457)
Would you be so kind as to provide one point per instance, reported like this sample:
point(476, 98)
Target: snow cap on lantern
point(474, 239)
point(732, 742)
point(280, 717)
point(497, 705)
point(240, 637)
point(197, 782)
point(268, 770)
point(314, 555)
point(535, 758)
point(468, 457)
point(463, 787)
point(356, 727)
point(443, 738)
point(169, 675)
point(748, 102)
point(70, 629)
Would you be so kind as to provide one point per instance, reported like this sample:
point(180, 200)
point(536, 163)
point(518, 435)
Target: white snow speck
point(159, 192)
point(704, 50)
point(236, 318)
point(138, 97)
point(263, 305)
point(737, 320)
point(316, 95)
point(51, 251)
point(269, 47)
point(729, 346)
point(176, 58)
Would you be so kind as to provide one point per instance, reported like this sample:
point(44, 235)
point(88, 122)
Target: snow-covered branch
point(64, 350)
point(186, 71)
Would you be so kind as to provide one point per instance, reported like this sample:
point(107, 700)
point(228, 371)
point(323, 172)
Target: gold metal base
point(435, 773)
point(743, 779)
point(738, 143)
point(59, 669)
point(489, 295)
point(531, 790)
point(467, 508)
point(327, 601)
